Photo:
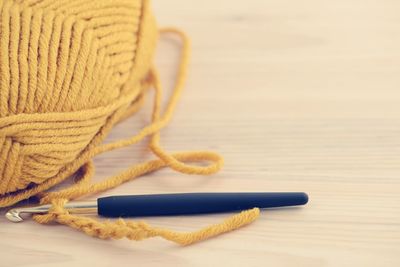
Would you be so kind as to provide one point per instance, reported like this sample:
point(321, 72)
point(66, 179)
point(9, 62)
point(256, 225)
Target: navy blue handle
point(193, 203)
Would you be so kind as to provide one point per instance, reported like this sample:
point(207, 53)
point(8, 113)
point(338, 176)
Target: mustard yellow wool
point(69, 71)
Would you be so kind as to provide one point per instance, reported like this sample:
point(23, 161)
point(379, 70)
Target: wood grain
point(298, 96)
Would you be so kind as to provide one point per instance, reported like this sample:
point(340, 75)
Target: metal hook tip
point(13, 215)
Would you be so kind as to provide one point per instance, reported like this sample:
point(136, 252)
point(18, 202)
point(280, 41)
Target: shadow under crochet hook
point(172, 204)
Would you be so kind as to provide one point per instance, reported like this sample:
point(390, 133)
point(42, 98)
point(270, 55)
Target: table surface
point(297, 96)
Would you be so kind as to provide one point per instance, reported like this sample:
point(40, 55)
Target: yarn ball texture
point(69, 71)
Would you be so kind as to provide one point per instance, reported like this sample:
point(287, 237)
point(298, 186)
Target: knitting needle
point(171, 204)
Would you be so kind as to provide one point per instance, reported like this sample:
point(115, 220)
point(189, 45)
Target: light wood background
point(298, 96)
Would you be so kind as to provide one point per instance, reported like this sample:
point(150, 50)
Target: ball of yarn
point(69, 69)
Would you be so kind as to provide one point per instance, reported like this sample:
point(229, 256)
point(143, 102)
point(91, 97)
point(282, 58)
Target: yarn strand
point(178, 161)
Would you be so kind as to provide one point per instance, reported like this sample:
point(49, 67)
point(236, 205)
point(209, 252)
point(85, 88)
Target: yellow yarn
point(70, 70)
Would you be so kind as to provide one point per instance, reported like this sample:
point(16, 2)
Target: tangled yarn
point(69, 71)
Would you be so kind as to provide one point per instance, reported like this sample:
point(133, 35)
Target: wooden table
point(298, 96)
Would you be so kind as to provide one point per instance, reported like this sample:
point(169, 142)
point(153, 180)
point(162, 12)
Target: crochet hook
point(171, 204)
